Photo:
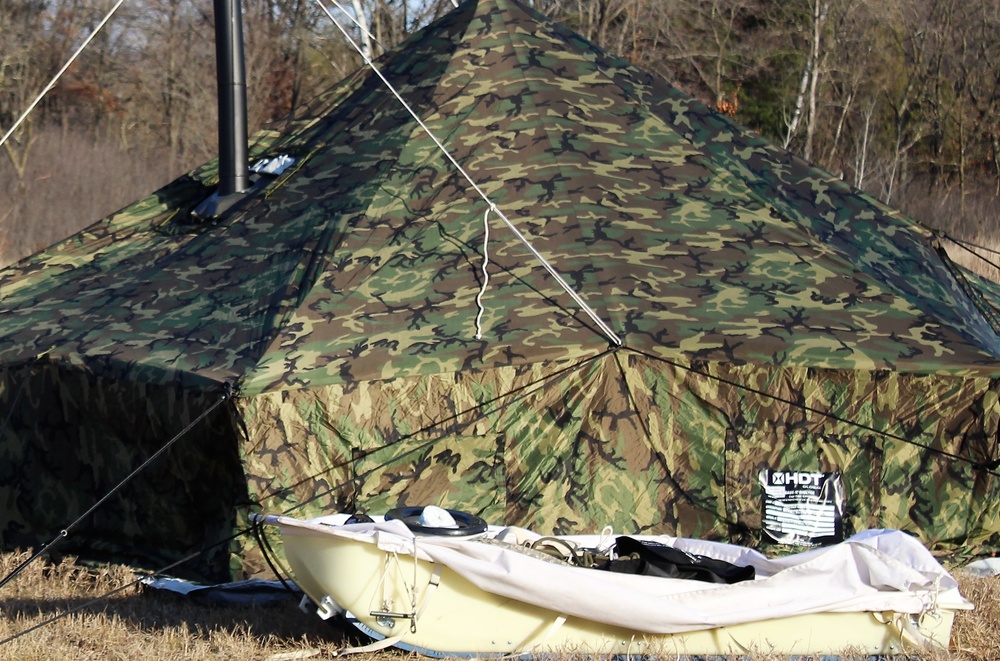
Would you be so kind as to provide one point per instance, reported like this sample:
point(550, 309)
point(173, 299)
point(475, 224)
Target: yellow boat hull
point(428, 607)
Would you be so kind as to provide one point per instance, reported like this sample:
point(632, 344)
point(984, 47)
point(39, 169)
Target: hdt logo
point(788, 478)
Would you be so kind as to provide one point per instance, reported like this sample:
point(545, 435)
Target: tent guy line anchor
point(605, 329)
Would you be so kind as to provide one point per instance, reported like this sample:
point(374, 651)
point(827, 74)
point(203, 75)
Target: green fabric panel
point(458, 472)
point(875, 437)
point(630, 441)
point(556, 447)
point(72, 439)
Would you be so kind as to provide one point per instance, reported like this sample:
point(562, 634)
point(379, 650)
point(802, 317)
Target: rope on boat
point(65, 531)
point(604, 328)
point(55, 79)
point(433, 583)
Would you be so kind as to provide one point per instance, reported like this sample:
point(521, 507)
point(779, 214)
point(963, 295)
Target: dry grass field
point(115, 618)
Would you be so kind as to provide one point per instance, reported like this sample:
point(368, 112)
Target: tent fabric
point(635, 443)
point(73, 438)
point(770, 315)
point(736, 241)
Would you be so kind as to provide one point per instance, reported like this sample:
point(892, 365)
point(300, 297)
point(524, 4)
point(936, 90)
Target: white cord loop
point(486, 275)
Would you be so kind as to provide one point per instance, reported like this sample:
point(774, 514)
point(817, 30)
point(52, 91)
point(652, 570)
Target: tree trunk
point(366, 37)
point(820, 11)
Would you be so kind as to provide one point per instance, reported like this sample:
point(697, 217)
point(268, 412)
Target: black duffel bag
point(655, 559)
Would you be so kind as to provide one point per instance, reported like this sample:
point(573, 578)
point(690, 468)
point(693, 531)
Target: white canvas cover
point(876, 570)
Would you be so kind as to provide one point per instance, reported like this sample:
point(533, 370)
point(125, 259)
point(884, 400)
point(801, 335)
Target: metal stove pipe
point(234, 168)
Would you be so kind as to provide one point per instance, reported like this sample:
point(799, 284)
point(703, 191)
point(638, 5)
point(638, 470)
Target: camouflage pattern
point(73, 438)
point(630, 441)
point(771, 316)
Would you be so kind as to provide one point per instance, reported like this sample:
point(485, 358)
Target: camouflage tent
point(317, 344)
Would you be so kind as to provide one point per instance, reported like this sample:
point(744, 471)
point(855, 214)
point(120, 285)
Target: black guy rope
point(978, 300)
point(270, 557)
point(107, 595)
point(65, 531)
point(971, 244)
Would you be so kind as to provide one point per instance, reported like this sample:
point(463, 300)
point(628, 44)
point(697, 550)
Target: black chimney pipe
point(234, 168)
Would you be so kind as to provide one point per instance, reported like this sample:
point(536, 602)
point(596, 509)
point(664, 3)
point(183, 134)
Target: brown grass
point(71, 181)
point(138, 623)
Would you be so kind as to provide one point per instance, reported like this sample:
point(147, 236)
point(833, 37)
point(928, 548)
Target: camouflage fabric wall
point(769, 315)
point(70, 439)
point(630, 441)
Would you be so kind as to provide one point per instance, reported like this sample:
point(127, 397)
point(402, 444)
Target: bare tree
point(22, 75)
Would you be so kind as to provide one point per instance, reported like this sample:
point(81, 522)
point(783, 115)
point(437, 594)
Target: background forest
point(899, 97)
